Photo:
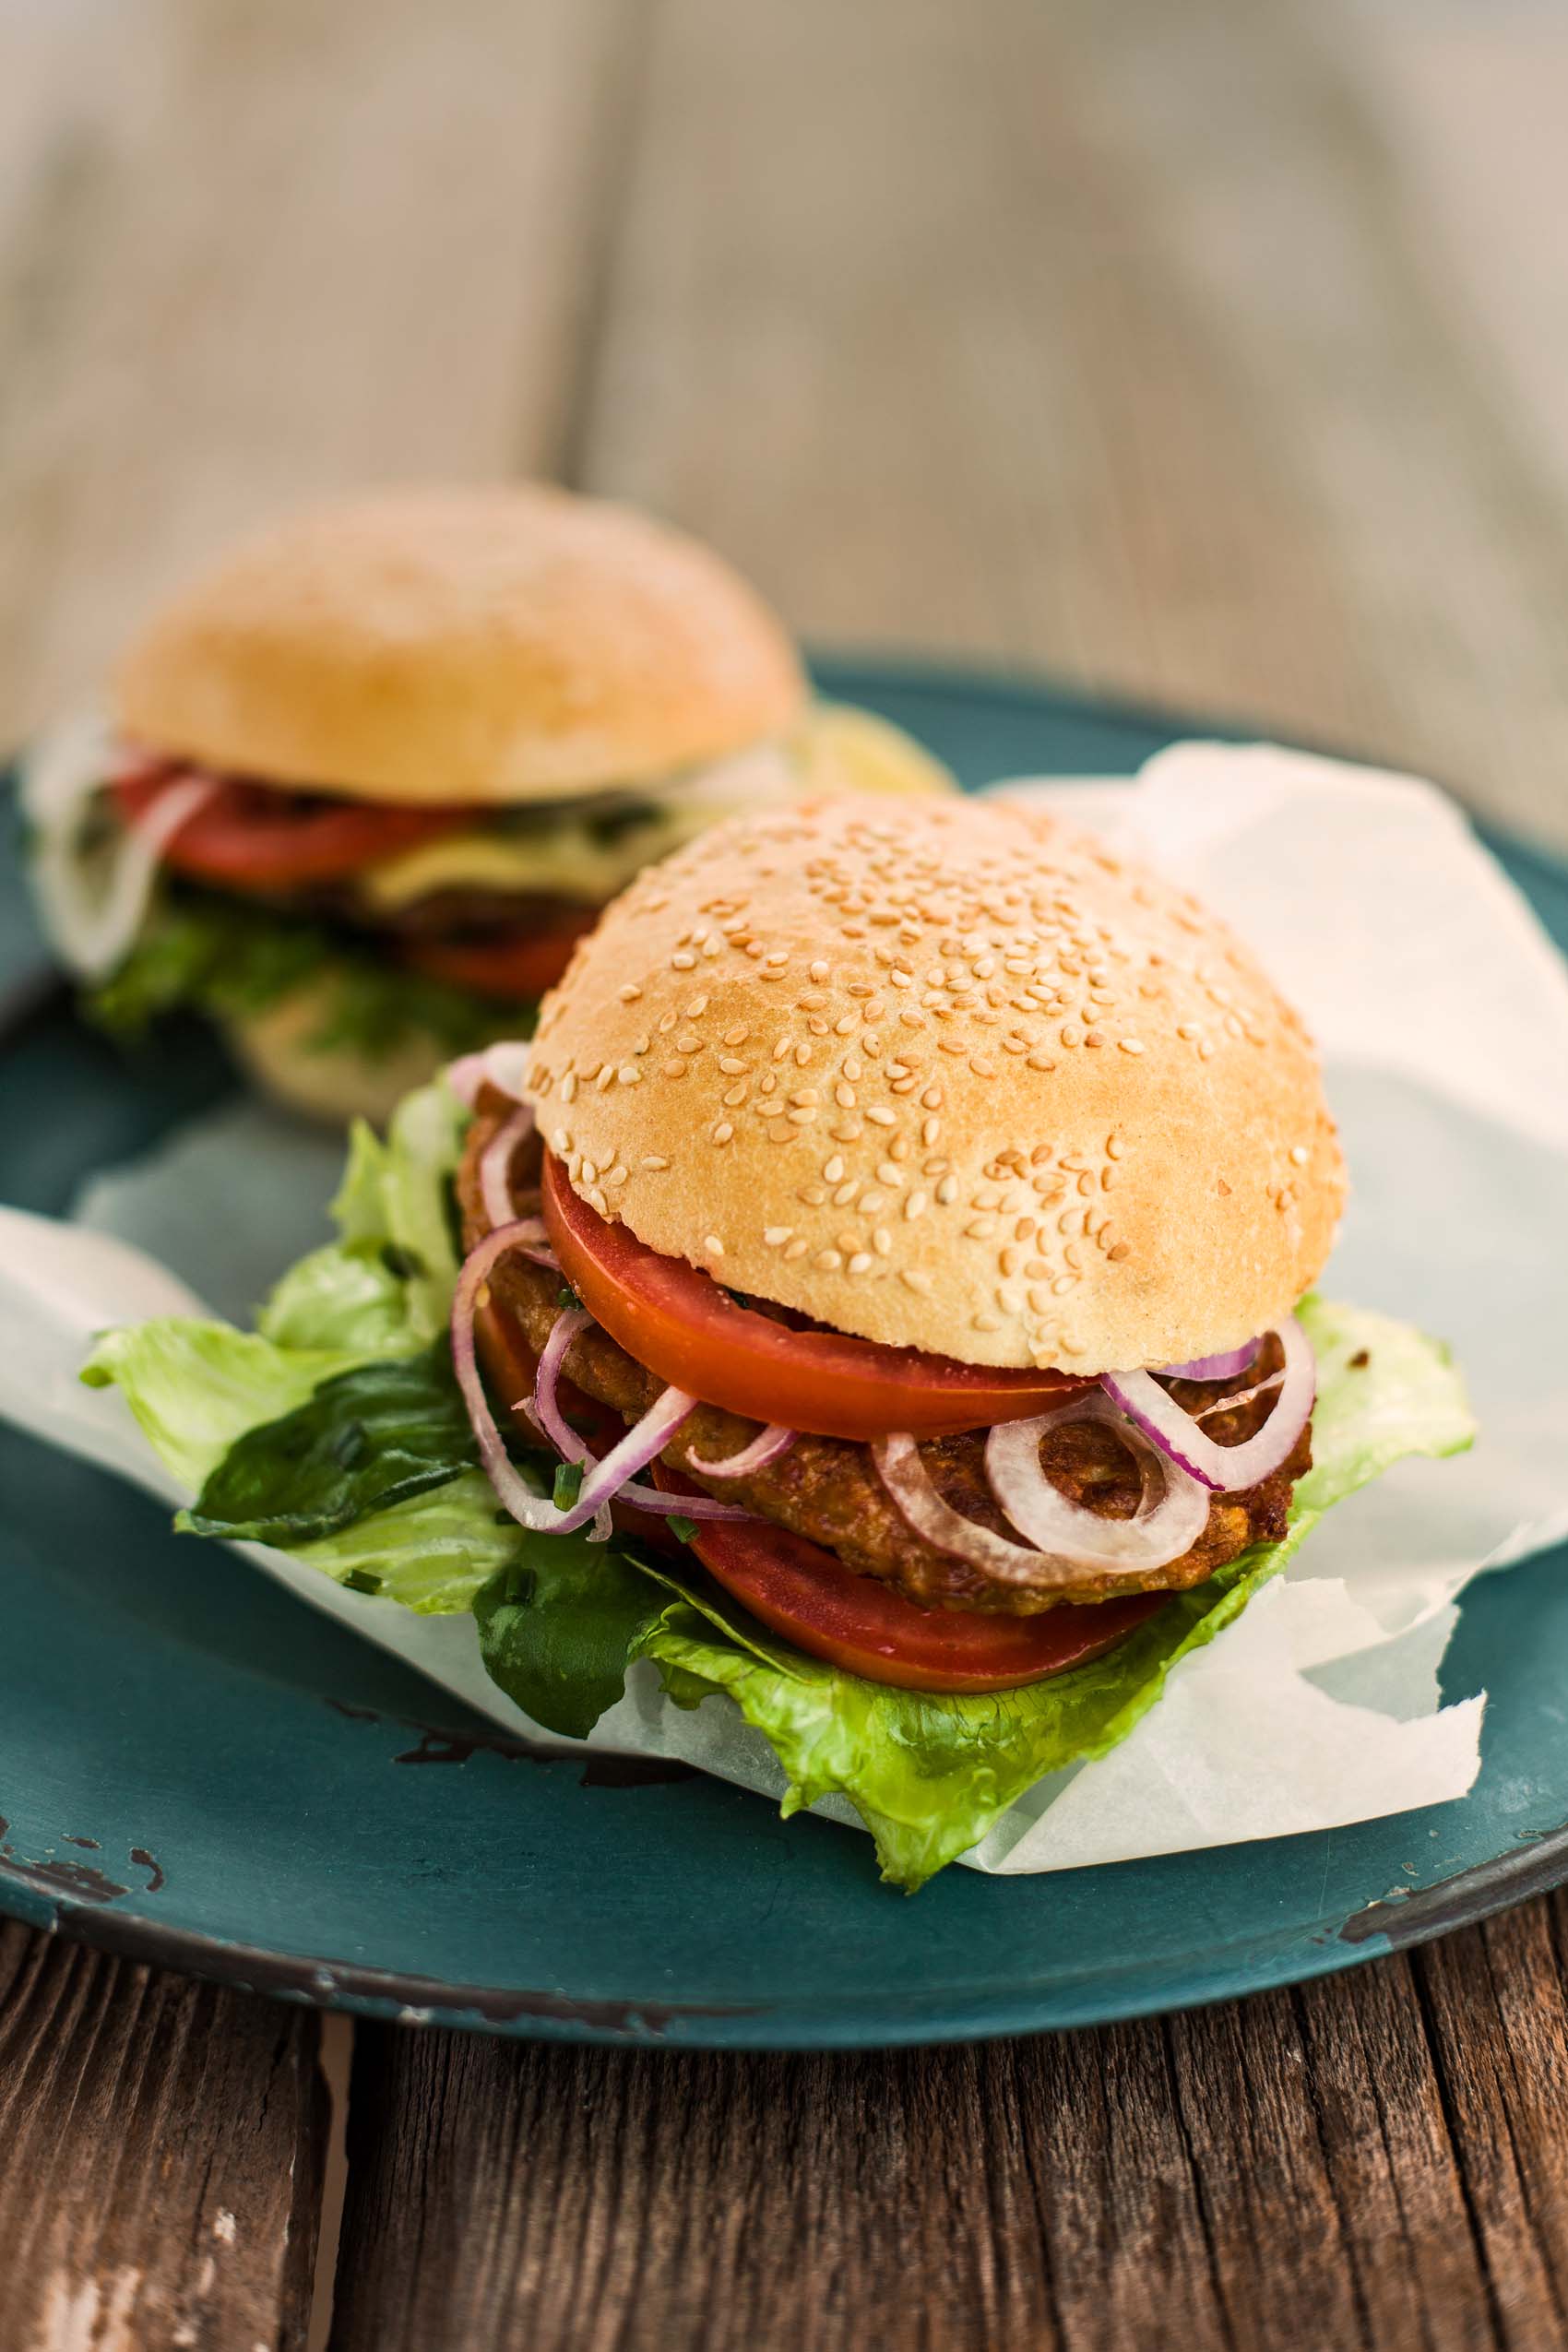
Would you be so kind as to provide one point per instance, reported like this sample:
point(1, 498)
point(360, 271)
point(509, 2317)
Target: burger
point(366, 782)
point(883, 1297)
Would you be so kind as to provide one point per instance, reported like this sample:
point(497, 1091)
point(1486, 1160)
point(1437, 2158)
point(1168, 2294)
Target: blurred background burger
point(365, 782)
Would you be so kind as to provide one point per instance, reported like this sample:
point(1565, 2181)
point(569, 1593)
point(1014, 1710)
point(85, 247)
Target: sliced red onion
point(765, 1447)
point(1161, 1529)
point(1172, 1510)
point(1224, 1366)
point(545, 1409)
point(536, 1512)
point(644, 1440)
point(1226, 1468)
point(495, 1167)
point(502, 1065)
point(95, 930)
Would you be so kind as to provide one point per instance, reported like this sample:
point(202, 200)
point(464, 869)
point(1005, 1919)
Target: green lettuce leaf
point(561, 1622)
point(434, 1553)
point(217, 954)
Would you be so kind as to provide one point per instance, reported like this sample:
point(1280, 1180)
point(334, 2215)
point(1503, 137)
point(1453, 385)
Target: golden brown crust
point(949, 1076)
point(461, 645)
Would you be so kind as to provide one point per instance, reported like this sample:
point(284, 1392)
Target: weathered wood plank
point(162, 2159)
point(1112, 339)
point(249, 255)
point(1270, 2174)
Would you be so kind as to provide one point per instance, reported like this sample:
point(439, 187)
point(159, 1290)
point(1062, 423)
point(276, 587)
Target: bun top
point(461, 645)
point(947, 1075)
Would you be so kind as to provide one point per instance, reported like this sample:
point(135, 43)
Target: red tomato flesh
point(680, 1323)
point(519, 963)
point(801, 1592)
point(249, 837)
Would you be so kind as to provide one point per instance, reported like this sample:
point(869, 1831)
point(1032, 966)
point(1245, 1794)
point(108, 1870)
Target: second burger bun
point(949, 1075)
point(334, 1083)
point(480, 645)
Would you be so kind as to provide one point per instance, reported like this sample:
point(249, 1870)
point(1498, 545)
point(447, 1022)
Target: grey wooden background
point(1216, 354)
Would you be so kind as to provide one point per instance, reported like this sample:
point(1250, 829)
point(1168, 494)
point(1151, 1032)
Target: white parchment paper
point(1442, 1013)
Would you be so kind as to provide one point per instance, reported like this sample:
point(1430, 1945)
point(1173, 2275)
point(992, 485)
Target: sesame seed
point(797, 1249)
point(947, 1191)
point(929, 1130)
point(682, 960)
point(1300, 1155)
point(731, 1067)
point(1071, 1034)
point(737, 1036)
point(881, 1118)
point(569, 1087)
point(844, 1096)
point(802, 1118)
point(1131, 1044)
point(653, 1162)
point(736, 1095)
point(775, 1236)
point(629, 1074)
point(819, 970)
point(844, 1193)
point(1097, 1037)
point(915, 1207)
point(813, 1194)
point(713, 1245)
point(882, 1241)
point(1123, 1250)
point(913, 1279)
point(723, 1132)
point(829, 1260)
point(872, 1201)
point(980, 1229)
point(802, 1055)
point(985, 1320)
point(674, 1069)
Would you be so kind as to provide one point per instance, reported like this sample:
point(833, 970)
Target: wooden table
point(1215, 355)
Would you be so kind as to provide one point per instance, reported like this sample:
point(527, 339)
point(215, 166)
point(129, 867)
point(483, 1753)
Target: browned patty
point(828, 1489)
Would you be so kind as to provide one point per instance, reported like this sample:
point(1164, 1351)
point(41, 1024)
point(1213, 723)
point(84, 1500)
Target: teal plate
point(196, 1770)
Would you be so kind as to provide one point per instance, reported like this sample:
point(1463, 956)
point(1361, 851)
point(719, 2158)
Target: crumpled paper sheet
point(1442, 1013)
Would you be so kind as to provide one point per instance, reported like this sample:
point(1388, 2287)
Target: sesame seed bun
point(949, 1075)
point(462, 645)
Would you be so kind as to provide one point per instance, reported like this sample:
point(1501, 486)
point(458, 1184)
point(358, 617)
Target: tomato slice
point(519, 963)
point(798, 1590)
point(679, 1323)
point(249, 837)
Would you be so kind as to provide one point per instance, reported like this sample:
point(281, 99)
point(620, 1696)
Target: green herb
point(361, 1442)
point(681, 1527)
point(566, 1297)
point(568, 1484)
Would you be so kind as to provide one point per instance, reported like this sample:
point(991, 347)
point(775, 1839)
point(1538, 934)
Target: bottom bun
point(335, 1084)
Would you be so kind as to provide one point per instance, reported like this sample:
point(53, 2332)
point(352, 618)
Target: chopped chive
point(682, 1529)
point(566, 1297)
point(568, 1484)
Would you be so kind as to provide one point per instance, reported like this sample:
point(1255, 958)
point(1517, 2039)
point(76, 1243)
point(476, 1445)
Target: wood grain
point(161, 2158)
point(1114, 339)
point(251, 254)
point(1373, 2161)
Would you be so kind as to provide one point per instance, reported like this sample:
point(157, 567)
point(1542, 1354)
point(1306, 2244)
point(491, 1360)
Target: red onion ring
point(1172, 1510)
point(765, 1447)
point(1225, 1468)
point(495, 1167)
point(1120, 1547)
point(535, 1512)
point(502, 1065)
point(1225, 1366)
point(642, 1443)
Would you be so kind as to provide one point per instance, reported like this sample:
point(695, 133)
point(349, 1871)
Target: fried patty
point(828, 1489)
